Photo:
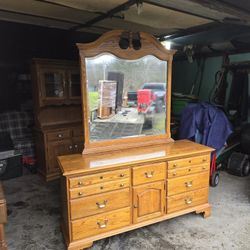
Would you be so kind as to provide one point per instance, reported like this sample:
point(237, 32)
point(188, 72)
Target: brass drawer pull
point(190, 169)
point(188, 201)
point(80, 183)
point(102, 224)
point(121, 185)
point(189, 184)
point(203, 167)
point(189, 161)
point(122, 175)
point(174, 174)
point(101, 205)
point(101, 187)
point(76, 146)
point(150, 174)
point(101, 177)
point(204, 160)
point(80, 193)
point(175, 165)
point(59, 135)
point(70, 147)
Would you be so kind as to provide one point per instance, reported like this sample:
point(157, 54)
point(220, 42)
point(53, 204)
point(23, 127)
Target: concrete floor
point(33, 221)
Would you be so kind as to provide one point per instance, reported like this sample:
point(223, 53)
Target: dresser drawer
point(76, 182)
point(188, 162)
point(149, 173)
point(99, 188)
point(58, 135)
point(99, 224)
point(186, 200)
point(172, 173)
point(97, 204)
point(187, 183)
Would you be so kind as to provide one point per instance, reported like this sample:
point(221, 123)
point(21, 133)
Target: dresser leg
point(80, 247)
point(206, 212)
point(3, 244)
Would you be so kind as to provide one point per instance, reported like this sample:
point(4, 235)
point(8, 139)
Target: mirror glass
point(126, 98)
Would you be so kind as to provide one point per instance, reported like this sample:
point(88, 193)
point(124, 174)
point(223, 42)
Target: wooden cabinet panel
point(107, 176)
point(99, 224)
point(78, 131)
point(186, 200)
point(172, 173)
point(149, 173)
point(58, 135)
point(74, 85)
point(148, 201)
point(185, 162)
point(97, 204)
point(187, 183)
point(57, 148)
point(99, 188)
point(77, 143)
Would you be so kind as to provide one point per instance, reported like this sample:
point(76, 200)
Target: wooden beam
point(225, 7)
point(108, 14)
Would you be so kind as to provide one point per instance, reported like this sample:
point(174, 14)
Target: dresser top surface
point(80, 164)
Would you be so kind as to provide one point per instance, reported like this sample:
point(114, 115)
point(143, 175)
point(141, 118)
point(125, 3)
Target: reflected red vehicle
point(145, 100)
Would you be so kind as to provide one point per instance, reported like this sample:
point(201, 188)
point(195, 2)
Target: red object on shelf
point(145, 98)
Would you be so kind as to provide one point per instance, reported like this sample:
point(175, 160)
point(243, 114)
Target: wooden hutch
point(126, 181)
point(57, 109)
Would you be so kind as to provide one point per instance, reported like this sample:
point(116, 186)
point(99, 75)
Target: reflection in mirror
point(126, 98)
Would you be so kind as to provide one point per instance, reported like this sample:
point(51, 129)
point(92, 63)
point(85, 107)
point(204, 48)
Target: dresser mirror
point(126, 98)
point(125, 91)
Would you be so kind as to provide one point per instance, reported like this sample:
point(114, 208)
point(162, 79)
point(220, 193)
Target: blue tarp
point(207, 120)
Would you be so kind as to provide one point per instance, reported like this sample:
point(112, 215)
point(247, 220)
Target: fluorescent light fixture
point(166, 44)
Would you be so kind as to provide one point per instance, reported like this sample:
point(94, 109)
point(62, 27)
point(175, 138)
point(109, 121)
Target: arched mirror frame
point(109, 43)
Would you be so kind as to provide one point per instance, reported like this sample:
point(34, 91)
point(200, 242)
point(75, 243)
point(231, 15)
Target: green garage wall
point(184, 74)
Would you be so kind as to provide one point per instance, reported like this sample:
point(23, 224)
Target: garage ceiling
point(179, 20)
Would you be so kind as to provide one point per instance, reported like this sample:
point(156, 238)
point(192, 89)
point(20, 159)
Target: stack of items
point(107, 98)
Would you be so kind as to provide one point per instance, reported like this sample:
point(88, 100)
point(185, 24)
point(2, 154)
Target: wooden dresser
point(57, 109)
point(3, 219)
point(111, 193)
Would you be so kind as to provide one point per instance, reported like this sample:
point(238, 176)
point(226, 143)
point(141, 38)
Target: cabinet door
point(52, 86)
point(148, 201)
point(57, 148)
point(74, 85)
point(77, 144)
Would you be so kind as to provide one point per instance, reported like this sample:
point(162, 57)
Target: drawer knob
point(101, 205)
point(122, 175)
point(80, 193)
point(203, 167)
point(189, 184)
point(70, 147)
point(101, 177)
point(149, 174)
point(174, 174)
point(76, 146)
point(135, 206)
point(101, 187)
point(189, 170)
point(204, 160)
point(188, 201)
point(59, 135)
point(175, 165)
point(102, 224)
point(121, 185)
point(190, 161)
point(80, 183)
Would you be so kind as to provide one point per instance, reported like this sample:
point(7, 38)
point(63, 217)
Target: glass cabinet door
point(74, 85)
point(53, 84)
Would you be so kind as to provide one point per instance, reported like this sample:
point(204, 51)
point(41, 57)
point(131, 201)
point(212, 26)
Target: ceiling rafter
point(178, 10)
point(48, 18)
point(108, 14)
